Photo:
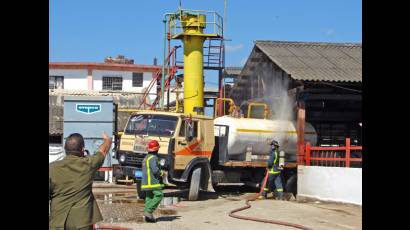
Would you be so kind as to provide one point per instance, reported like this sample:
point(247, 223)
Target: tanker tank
point(253, 135)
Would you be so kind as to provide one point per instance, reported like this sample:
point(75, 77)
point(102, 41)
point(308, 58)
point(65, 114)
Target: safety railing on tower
point(177, 26)
point(170, 70)
point(212, 28)
point(343, 156)
point(211, 20)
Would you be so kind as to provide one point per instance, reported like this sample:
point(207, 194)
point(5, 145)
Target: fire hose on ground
point(253, 198)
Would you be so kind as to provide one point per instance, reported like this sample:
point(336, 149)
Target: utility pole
point(224, 26)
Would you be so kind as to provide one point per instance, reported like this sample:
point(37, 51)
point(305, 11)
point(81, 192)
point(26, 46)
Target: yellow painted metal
point(232, 105)
point(193, 40)
point(193, 73)
point(129, 110)
point(254, 104)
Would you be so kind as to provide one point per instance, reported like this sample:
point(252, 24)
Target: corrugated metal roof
point(233, 70)
point(316, 61)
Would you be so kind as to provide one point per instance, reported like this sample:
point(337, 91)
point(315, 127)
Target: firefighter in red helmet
point(151, 184)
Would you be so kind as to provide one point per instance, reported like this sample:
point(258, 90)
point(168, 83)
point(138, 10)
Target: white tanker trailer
point(242, 147)
point(253, 135)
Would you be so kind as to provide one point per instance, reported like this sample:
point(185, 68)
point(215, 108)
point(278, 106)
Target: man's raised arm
point(105, 147)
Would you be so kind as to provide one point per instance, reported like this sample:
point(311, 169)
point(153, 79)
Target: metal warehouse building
point(321, 82)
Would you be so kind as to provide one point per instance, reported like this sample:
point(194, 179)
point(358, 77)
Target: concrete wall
point(330, 184)
point(73, 79)
point(126, 79)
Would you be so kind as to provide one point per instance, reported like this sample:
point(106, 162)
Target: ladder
point(213, 54)
point(171, 70)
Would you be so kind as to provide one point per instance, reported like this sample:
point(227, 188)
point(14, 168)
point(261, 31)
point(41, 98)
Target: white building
point(102, 76)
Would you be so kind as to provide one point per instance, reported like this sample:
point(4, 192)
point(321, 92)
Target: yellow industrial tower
point(192, 35)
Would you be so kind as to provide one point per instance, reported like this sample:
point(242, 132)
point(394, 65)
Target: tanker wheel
point(140, 194)
point(194, 185)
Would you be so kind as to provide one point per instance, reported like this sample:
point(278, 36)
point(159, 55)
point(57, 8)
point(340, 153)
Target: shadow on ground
point(168, 218)
point(228, 192)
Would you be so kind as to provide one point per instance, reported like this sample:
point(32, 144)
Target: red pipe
point(253, 198)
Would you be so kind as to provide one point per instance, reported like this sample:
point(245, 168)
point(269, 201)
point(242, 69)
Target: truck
point(199, 152)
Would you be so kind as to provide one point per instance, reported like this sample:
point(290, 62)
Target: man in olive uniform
point(274, 178)
point(150, 183)
point(70, 182)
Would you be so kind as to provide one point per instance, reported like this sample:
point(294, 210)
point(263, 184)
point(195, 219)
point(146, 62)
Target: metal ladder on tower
point(213, 58)
point(171, 70)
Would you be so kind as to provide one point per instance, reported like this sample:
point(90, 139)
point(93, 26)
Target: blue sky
point(91, 30)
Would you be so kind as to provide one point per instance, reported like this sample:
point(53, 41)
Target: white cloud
point(233, 48)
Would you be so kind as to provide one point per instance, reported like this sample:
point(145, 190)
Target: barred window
point(56, 82)
point(137, 79)
point(112, 83)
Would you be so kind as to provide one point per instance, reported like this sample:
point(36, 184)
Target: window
point(151, 125)
point(55, 82)
point(183, 129)
point(112, 83)
point(137, 79)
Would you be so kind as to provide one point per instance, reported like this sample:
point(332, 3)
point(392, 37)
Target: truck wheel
point(140, 194)
point(194, 185)
point(291, 185)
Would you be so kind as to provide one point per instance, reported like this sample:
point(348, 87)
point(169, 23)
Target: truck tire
point(291, 185)
point(140, 194)
point(194, 185)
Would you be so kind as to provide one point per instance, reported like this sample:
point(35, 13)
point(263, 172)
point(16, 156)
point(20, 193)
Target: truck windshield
point(151, 125)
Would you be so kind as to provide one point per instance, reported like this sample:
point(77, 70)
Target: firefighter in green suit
point(72, 203)
point(274, 178)
point(151, 184)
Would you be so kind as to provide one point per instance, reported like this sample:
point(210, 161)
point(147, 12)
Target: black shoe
point(265, 195)
point(149, 217)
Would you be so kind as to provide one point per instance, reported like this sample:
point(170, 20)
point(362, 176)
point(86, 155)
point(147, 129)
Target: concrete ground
point(120, 207)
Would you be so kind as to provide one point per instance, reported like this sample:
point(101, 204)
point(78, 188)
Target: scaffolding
point(213, 55)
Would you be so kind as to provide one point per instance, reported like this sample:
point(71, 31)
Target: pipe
point(232, 106)
point(253, 198)
point(163, 63)
point(265, 111)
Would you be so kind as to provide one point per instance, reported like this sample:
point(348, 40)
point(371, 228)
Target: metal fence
point(342, 156)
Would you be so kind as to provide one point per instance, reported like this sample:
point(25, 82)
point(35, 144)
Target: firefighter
point(151, 184)
point(274, 178)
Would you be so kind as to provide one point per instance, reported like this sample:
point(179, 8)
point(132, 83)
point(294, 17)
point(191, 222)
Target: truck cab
point(186, 145)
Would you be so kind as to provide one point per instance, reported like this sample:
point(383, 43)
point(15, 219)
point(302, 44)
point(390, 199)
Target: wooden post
point(300, 126)
point(308, 153)
point(348, 152)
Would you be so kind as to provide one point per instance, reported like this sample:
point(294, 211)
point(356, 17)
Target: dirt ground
point(121, 208)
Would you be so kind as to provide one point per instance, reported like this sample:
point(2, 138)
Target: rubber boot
point(264, 194)
point(280, 196)
point(149, 217)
